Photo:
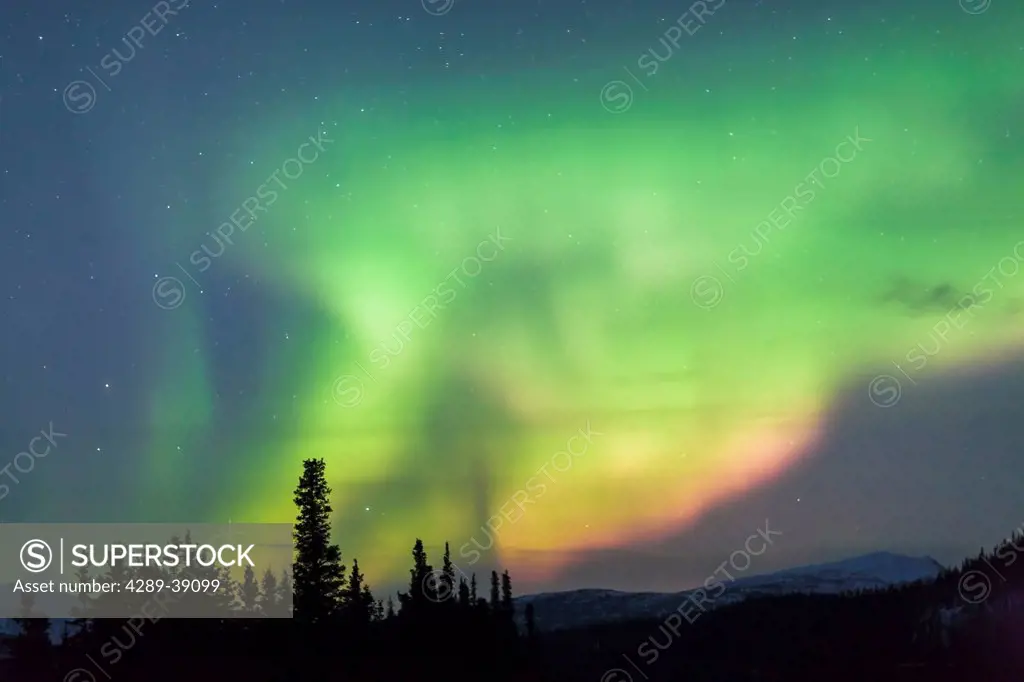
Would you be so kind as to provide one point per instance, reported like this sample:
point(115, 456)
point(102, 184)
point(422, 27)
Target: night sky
point(748, 260)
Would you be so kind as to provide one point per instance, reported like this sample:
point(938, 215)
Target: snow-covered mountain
point(559, 610)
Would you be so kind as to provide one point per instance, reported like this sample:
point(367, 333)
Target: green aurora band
point(587, 314)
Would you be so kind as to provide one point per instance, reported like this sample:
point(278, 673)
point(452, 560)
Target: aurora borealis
point(653, 275)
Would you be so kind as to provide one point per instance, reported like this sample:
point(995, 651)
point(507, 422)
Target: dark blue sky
point(94, 205)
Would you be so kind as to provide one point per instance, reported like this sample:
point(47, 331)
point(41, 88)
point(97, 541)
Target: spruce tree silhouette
point(422, 584)
point(269, 599)
point(317, 572)
point(506, 592)
point(340, 632)
point(923, 632)
point(286, 595)
point(249, 592)
point(447, 578)
point(495, 594)
point(359, 602)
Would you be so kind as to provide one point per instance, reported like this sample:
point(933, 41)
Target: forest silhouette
point(320, 621)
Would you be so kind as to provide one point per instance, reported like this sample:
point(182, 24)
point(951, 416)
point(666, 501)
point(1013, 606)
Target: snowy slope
point(560, 610)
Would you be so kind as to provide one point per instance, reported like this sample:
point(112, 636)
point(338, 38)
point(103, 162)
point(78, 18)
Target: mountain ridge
point(593, 606)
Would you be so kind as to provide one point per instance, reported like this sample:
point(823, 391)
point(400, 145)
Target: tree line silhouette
point(967, 624)
point(331, 627)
